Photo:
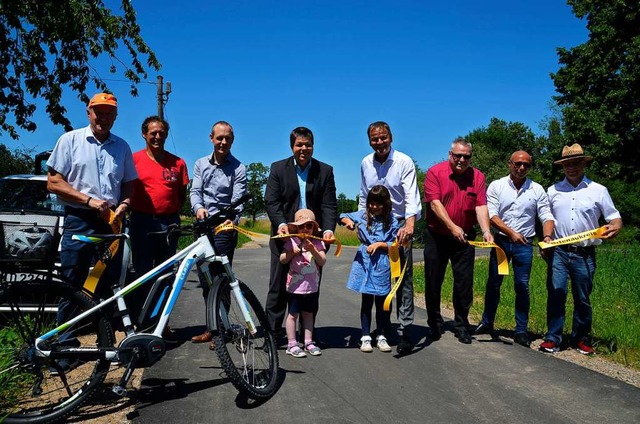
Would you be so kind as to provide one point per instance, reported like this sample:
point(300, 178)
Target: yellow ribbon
point(304, 236)
point(394, 260)
point(591, 234)
point(91, 282)
point(503, 265)
point(396, 274)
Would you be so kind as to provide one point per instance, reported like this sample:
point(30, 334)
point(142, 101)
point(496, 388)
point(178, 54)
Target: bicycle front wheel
point(249, 360)
point(36, 388)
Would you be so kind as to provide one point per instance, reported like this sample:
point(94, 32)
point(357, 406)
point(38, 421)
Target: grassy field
point(188, 239)
point(615, 301)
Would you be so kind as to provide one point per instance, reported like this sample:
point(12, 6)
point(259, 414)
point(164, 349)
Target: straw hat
point(572, 152)
point(302, 217)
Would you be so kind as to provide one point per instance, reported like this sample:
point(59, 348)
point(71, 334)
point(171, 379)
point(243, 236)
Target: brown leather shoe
point(202, 338)
point(212, 345)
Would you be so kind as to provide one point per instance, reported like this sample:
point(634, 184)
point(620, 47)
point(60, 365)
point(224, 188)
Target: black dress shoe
point(436, 333)
point(522, 339)
point(483, 329)
point(405, 345)
point(464, 336)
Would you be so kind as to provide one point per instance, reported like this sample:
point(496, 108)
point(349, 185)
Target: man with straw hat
point(577, 204)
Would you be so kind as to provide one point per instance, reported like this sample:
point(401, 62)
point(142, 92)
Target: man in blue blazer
point(294, 183)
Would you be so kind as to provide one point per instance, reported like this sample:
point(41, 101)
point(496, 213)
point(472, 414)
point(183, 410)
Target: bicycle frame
point(200, 250)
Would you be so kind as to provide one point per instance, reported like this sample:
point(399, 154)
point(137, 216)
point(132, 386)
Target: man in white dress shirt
point(514, 202)
point(396, 171)
point(577, 204)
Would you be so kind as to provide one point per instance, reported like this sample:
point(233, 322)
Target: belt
point(507, 238)
point(580, 250)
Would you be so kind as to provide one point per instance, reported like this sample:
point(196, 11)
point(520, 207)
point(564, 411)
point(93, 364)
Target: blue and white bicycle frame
point(201, 252)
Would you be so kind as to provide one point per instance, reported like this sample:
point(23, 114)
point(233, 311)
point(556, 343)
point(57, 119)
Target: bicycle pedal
point(119, 390)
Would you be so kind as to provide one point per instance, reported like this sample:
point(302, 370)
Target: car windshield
point(28, 195)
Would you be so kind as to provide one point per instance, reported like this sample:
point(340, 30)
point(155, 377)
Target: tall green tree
point(47, 46)
point(257, 176)
point(15, 162)
point(494, 144)
point(599, 87)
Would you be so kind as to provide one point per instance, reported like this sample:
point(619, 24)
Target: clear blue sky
point(432, 70)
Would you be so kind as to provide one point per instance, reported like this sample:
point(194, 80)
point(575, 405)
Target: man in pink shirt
point(456, 199)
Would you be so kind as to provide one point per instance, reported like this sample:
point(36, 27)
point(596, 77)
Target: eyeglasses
point(460, 156)
point(527, 165)
point(307, 226)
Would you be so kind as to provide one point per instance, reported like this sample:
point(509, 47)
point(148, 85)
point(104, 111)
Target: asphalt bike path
point(443, 381)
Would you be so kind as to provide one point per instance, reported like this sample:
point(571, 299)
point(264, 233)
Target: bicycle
point(55, 369)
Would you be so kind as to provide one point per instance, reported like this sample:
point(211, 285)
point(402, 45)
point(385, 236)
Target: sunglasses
point(460, 156)
point(527, 165)
point(307, 226)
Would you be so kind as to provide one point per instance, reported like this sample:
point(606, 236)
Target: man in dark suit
point(283, 198)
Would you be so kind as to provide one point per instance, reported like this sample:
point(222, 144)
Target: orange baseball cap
point(103, 99)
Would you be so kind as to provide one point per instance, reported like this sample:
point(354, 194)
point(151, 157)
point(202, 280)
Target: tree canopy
point(599, 87)
point(49, 45)
point(15, 162)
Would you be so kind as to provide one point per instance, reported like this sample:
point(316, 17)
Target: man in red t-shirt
point(456, 198)
point(160, 192)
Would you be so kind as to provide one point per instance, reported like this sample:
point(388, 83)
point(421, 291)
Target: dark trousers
point(276, 305)
point(149, 250)
point(76, 256)
point(438, 251)
point(224, 244)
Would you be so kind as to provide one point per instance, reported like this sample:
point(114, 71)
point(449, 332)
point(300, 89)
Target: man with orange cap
point(92, 172)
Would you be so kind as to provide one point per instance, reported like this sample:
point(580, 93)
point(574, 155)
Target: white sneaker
point(366, 344)
point(383, 346)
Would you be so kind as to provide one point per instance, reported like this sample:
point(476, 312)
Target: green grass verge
point(615, 300)
point(186, 240)
point(263, 226)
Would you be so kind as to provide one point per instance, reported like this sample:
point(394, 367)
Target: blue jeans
point(580, 267)
point(521, 256)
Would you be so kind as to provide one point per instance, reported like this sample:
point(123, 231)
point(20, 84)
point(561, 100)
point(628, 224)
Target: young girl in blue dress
point(371, 272)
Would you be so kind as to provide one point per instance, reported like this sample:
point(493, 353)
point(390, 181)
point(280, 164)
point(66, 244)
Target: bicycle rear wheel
point(37, 389)
point(250, 361)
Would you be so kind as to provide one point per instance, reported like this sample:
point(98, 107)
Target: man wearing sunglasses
point(456, 199)
point(514, 202)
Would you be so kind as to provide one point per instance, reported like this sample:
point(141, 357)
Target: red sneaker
point(584, 348)
point(549, 346)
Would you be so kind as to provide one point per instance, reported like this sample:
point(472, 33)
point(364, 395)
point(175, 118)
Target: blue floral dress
point(371, 274)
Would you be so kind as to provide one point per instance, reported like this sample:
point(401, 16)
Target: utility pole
point(163, 96)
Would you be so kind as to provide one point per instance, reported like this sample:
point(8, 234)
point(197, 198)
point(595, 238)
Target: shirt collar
point(212, 159)
point(584, 183)
point(91, 137)
point(389, 157)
